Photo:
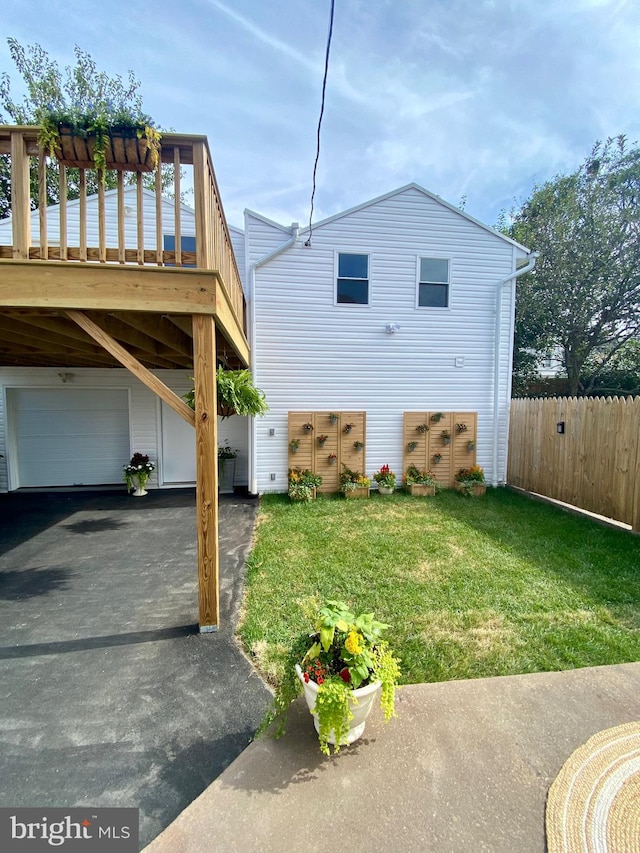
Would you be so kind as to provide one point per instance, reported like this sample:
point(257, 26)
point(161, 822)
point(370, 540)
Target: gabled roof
point(411, 186)
point(285, 228)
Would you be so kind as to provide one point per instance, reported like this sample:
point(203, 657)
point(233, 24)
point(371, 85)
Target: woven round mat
point(594, 803)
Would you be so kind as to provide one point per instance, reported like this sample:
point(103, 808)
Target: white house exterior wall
point(265, 236)
point(144, 413)
point(187, 221)
point(311, 354)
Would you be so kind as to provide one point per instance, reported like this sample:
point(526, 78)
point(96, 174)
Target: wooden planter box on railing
point(124, 150)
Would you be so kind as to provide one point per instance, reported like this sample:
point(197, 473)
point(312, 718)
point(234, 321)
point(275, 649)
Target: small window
point(353, 280)
point(187, 244)
point(433, 286)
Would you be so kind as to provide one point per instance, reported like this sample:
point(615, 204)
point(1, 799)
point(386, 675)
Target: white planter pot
point(385, 490)
point(364, 696)
point(139, 491)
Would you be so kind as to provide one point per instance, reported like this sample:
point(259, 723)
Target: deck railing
point(125, 225)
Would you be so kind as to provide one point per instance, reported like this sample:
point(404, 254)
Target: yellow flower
point(353, 643)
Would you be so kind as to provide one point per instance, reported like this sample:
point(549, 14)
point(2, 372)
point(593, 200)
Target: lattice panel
point(427, 447)
point(315, 455)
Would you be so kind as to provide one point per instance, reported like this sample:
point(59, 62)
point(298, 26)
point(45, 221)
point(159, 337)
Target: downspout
point(295, 228)
point(533, 257)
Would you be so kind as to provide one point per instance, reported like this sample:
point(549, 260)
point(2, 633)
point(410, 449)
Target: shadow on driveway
point(109, 695)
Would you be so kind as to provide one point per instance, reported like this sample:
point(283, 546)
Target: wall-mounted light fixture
point(560, 427)
point(391, 328)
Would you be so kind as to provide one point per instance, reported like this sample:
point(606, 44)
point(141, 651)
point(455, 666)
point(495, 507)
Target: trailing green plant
point(333, 418)
point(437, 416)
point(344, 652)
point(358, 445)
point(237, 395)
point(422, 428)
point(294, 444)
point(460, 428)
point(412, 446)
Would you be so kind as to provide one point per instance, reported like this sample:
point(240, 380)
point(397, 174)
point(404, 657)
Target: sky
point(472, 99)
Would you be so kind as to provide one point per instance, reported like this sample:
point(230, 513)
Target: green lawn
point(471, 587)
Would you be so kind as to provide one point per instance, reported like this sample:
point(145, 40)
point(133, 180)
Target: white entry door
point(69, 436)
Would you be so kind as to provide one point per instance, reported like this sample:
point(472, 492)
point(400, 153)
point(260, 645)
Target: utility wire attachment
point(324, 87)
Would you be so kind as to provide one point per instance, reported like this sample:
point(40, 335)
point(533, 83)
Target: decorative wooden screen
point(342, 433)
point(441, 442)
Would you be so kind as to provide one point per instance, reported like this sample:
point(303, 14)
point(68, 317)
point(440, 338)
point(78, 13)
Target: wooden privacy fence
point(583, 451)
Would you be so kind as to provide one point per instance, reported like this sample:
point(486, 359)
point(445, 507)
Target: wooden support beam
point(20, 211)
point(86, 287)
point(204, 353)
point(139, 370)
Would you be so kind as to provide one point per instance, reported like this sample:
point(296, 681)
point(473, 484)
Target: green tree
point(47, 87)
point(584, 295)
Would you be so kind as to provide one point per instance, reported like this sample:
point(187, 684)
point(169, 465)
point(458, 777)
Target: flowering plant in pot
point(386, 480)
point(342, 666)
point(322, 439)
point(303, 484)
point(137, 472)
point(332, 458)
point(353, 482)
point(470, 481)
point(419, 482)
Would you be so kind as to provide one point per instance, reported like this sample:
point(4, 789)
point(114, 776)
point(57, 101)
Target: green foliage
point(350, 480)
point(416, 477)
point(584, 295)
point(471, 588)
point(237, 395)
point(334, 714)
point(345, 652)
point(81, 94)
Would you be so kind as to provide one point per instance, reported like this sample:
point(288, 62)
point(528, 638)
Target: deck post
point(20, 197)
point(206, 405)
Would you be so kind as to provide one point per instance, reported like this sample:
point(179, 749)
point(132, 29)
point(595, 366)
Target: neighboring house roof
point(384, 197)
point(92, 199)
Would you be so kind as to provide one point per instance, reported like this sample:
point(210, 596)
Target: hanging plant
point(471, 446)
point(359, 445)
point(307, 427)
point(333, 418)
point(237, 395)
point(437, 458)
point(348, 428)
point(461, 428)
point(437, 416)
point(446, 436)
point(422, 428)
point(322, 439)
point(332, 458)
point(294, 444)
point(412, 446)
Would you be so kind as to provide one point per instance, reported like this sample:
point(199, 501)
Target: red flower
point(345, 675)
point(320, 680)
point(306, 677)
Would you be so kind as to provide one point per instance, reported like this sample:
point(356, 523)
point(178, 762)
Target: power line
point(324, 87)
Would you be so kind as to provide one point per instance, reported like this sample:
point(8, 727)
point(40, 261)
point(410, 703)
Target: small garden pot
point(446, 440)
point(386, 490)
point(422, 489)
point(140, 491)
point(332, 460)
point(365, 697)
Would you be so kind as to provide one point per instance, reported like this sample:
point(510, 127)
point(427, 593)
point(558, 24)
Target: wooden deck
point(67, 300)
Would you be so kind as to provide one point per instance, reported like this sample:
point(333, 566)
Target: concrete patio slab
point(464, 768)
point(108, 695)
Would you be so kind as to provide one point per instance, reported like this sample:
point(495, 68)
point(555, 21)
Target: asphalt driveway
point(108, 695)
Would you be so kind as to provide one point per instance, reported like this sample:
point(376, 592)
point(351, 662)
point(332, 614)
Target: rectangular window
point(433, 284)
point(353, 279)
point(187, 244)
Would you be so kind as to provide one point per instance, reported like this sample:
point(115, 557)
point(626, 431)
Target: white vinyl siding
point(309, 356)
point(144, 427)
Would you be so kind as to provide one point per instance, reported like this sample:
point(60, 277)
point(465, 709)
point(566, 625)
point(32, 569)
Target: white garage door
point(69, 436)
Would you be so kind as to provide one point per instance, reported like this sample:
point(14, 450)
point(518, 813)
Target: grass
point(470, 587)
